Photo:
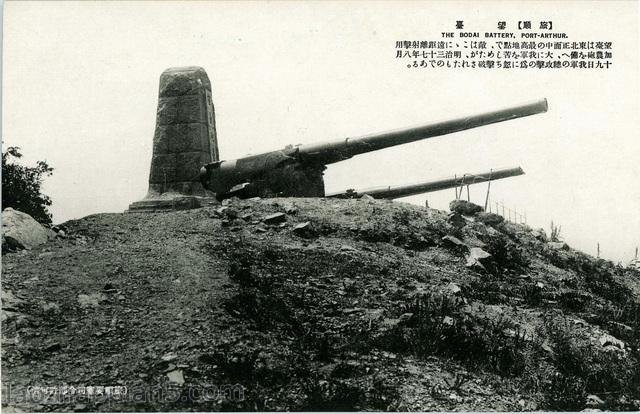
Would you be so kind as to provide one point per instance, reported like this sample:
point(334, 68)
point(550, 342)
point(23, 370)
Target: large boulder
point(21, 231)
point(465, 208)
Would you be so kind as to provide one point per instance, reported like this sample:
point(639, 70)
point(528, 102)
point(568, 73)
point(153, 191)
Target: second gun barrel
point(397, 191)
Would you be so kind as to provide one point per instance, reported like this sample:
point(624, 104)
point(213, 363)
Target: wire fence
point(507, 213)
point(512, 215)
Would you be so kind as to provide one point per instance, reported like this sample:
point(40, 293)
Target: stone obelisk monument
point(184, 141)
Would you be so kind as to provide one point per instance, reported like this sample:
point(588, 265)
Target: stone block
point(183, 81)
point(188, 165)
point(188, 187)
point(163, 168)
point(181, 110)
point(184, 137)
point(160, 141)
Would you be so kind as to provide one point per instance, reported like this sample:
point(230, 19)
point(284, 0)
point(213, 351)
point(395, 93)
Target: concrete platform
point(170, 204)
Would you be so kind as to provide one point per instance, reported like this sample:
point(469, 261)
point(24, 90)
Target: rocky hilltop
point(316, 304)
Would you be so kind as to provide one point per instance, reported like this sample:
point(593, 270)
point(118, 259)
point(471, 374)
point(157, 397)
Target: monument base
point(179, 202)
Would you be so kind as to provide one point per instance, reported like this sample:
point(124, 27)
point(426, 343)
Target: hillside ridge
point(318, 304)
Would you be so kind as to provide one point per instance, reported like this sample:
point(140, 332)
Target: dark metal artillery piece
point(296, 171)
point(186, 170)
point(397, 191)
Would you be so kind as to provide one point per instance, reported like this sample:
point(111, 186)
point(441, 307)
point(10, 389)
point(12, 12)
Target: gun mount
point(392, 192)
point(297, 171)
point(186, 169)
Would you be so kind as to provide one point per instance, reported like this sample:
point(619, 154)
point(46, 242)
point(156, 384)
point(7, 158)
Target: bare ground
point(365, 308)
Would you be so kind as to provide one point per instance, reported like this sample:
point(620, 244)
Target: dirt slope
point(366, 307)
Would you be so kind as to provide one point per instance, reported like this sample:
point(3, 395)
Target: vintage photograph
point(320, 206)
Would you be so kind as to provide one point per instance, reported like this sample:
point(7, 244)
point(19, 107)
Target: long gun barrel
point(296, 171)
point(331, 152)
point(391, 192)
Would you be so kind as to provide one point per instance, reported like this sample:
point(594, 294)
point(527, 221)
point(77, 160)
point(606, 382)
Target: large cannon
point(186, 170)
point(297, 171)
point(396, 191)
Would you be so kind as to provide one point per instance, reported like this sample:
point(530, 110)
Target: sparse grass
point(582, 369)
point(555, 232)
point(443, 325)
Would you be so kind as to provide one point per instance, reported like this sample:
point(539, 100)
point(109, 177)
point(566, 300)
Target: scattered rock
point(231, 213)
point(455, 398)
point(168, 357)
point(547, 346)
point(374, 314)
point(390, 323)
point(452, 288)
point(246, 216)
point(367, 197)
point(463, 207)
point(176, 376)
point(477, 258)
point(9, 300)
point(21, 231)
point(260, 229)
point(453, 242)
point(472, 240)
point(456, 220)
point(490, 219)
point(447, 320)
point(622, 327)
point(228, 212)
point(275, 218)
point(609, 340)
point(53, 347)
point(290, 209)
point(7, 315)
point(349, 311)
point(558, 245)
point(92, 300)
point(50, 307)
point(593, 401)
point(304, 230)
point(540, 235)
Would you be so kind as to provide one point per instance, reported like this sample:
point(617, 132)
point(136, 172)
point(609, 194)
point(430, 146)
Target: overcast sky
point(80, 84)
